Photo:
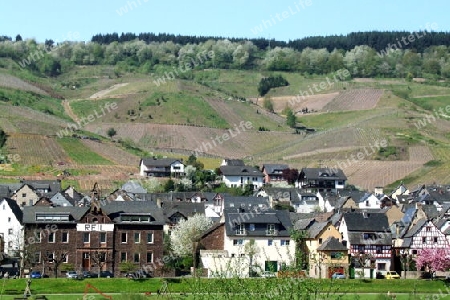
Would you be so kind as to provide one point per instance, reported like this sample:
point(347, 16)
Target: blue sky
point(80, 19)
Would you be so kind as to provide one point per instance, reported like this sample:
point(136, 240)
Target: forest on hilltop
point(364, 54)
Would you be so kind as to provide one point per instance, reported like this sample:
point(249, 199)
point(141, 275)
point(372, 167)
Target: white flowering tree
point(185, 236)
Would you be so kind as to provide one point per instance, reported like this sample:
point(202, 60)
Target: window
point(252, 227)
point(149, 257)
point(137, 257)
point(381, 267)
point(102, 237)
point(50, 257)
point(86, 237)
point(414, 252)
point(435, 239)
point(38, 236)
point(379, 250)
point(240, 229)
point(150, 238)
point(285, 242)
point(270, 228)
point(424, 240)
point(137, 237)
point(10, 231)
point(51, 237)
point(124, 238)
point(361, 249)
point(37, 257)
point(336, 255)
point(269, 242)
point(85, 255)
point(65, 237)
point(24, 195)
point(320, 241)
point(238, 242)
point(428, 228)
point(123, 256)
point(65, 258)
point(9, 219)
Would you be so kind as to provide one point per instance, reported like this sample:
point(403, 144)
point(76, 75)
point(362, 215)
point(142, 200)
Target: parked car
point(106, 274)
point(338, 275)
point(268, 274)
point(89, 274)
point(380, 275)
point(392, 275)
point(72, 274)
point(36, 275)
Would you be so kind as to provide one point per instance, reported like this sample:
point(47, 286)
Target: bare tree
point(100, 259)
point(57, 258)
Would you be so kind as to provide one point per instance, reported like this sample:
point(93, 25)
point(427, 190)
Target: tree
point(18, 38)
point(169, 185)
point(56, 258)
point(185, 236)
point(100, 258)
point(251, 249)
point(111, 132)
point(291, 120)
point(268, 104)
point(290, 175)
point(432, 260)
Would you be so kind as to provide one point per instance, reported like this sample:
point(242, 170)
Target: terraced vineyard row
point(13, 82)
point(112, 153)
point(36, 149)
point(357, 99)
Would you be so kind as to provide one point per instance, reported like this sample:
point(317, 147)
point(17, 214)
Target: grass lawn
point(80, 153)
point(224, 286)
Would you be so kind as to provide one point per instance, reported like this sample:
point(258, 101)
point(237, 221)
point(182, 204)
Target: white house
point(253, 240)
point(164, 167)
point(240, 176)
point(368, 201)
point(10, 226)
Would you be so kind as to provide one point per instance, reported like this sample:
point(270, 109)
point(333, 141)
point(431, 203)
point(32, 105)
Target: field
point(182, 117)
point(233, 288)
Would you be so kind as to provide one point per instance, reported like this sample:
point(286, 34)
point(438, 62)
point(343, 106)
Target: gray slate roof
point(240, 171)
point(274, 168)
point(332, 244)
point(159, 162)
point(320, 173)
point(114, 208)
point(369, 222)
point(29, 213)
point(278, 217)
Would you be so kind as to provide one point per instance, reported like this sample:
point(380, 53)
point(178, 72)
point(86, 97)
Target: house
point(240, 176)
point(273, 172)
point(94, 238)
point(369, 201)
point(424, 234)
point(315, 180)
point(323, 247)
point(369, 239)
point(26, 195)
point(44, 187)
point(161, 167)
point(11, 227)
point(308, 203)
point(254, 241)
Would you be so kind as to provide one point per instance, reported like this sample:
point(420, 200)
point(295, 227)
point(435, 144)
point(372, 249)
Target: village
point(313, 222)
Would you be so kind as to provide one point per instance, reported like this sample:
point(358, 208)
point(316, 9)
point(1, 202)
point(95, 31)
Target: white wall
point(275, 252)
point(236, 180)
point(9, 221)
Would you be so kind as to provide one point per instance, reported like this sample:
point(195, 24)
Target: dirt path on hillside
point(326, 150)
point(68, 110)
point(103, 93)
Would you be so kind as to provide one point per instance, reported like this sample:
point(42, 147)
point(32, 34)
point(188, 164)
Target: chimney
point(158, 203)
